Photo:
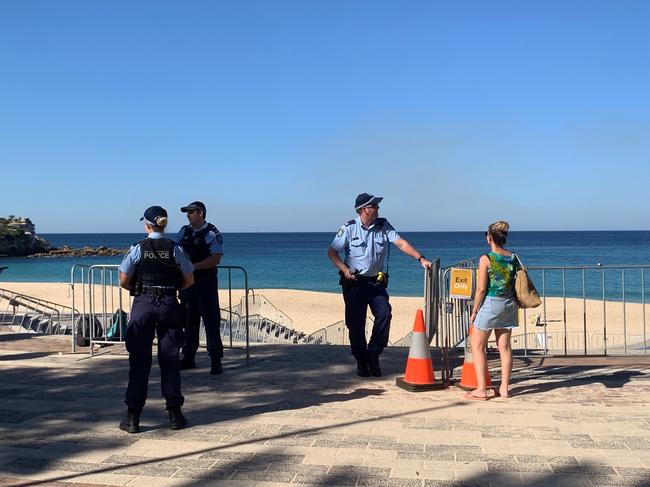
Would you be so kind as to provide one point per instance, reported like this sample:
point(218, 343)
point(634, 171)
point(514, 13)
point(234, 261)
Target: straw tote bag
point(525, 292)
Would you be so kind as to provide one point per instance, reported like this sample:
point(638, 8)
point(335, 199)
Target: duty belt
point(159, 290)
point(367, 278)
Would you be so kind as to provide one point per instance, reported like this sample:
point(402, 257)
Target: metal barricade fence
point(81, 271)
point(104, 292)
point(106, 305)
point(586, 310)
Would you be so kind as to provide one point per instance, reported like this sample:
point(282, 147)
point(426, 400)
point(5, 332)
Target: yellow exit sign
point(460, 283)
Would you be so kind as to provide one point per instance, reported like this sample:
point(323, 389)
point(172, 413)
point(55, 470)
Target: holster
point(136, 290)
point(345, 282)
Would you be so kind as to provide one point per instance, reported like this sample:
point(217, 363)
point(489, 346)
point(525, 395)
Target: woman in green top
point(495, 308)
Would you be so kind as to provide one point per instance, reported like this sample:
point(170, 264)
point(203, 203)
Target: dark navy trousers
point(358, 298)
point(202, 301)
point(151, 316)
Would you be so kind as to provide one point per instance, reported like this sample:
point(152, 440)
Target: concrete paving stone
point(340, 444)
point(34, 464)
point(392, 482)
point(436, 455)
point(617, 480)
point(446, 465)
point(13, 481)
point(90, 478)
point(435, 474)
point(148, 470)
point(226, 455)
point(584, 469)
point(508, 434)
point(601, 445)
point(462, 456)
point(157, 481)
point(270, 458)
point(541, 479)
point(350, 470)
point(128, 460)
point(188, 463)
point(395, 445)
point(634, 471)
point(293, 441)
point(84, 467)
point(324, 480)
point(265, 476)
point(518, 467)
point(203, 473)
point(637, 443)
point(555, 460)
point(613, 458)
point(346, 460)
point(455, 483)
point(300, 469)
point(452, 448)
point(237, 465)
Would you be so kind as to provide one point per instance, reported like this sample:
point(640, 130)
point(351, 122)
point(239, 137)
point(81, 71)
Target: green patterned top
point(501, 275)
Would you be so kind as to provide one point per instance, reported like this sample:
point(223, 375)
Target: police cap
point(366, 199)
point(153, 212)
point(194, 205)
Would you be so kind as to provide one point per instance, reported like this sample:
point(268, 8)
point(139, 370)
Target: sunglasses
point(191, 212)
point(376, 207)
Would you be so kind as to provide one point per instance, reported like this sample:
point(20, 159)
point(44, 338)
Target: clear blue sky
point(277, 113)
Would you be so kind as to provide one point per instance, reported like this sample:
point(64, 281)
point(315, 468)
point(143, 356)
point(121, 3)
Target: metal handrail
point(46, 311)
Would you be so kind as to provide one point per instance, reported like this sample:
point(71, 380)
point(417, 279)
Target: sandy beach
point(309, 311)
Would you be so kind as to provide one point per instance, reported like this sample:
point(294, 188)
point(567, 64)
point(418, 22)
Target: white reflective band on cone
point(419, 346)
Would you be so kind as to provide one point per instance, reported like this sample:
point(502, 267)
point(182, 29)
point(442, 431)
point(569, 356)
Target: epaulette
point(350, 222)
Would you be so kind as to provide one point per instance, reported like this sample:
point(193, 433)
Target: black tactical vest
point(157, 266)
point(197, 248)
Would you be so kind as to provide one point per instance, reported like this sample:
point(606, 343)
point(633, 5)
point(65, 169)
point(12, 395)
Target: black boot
point(362, 367)
point(373, 363)
point(215, 366)
point(176, 419)
point(131, 424)
point(188, 363)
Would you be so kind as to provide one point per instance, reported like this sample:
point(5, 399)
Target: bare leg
point(505, 351)
point(479, 341)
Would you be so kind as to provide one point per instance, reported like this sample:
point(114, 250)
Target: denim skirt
point(497, 312)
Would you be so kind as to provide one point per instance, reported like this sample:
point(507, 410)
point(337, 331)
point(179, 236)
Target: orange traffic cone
point(468, 375)
point(419, 374)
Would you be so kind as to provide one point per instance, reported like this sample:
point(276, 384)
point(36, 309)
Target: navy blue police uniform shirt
point(366, 249)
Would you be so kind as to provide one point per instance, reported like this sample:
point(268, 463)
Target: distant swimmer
point(154, 270)
point(365, 242)
point(204, 245)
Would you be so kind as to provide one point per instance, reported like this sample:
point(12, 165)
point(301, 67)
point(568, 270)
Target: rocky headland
point(66, 251)
point(18, 239)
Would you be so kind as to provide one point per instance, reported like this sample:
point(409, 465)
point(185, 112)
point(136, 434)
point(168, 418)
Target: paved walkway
point(299, 415)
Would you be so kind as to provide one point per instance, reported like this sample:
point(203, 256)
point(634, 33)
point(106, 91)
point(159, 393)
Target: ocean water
point(299, 260)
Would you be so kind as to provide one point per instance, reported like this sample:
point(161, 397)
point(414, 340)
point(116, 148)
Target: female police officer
point(154, 270)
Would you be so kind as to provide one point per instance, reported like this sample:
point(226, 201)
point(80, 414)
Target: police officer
point(154, 270)
point(366, 243)
point(204, 245)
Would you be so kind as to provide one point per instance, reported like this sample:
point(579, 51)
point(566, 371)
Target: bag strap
point(521, 264)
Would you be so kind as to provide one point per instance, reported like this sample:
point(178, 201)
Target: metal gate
point(586, 310)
